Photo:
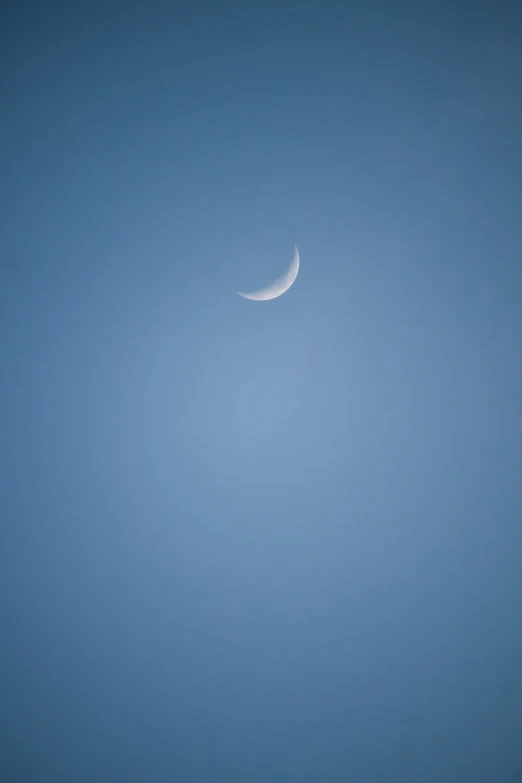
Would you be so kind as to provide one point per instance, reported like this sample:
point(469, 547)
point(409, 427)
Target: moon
point(279, 286)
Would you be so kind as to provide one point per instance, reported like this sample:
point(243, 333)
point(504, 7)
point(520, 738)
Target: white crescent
point(279, 286)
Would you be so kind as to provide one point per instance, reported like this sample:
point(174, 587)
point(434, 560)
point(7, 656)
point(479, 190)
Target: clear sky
point(261, 542)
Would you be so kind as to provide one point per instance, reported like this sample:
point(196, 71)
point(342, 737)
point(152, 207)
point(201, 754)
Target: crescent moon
point(279, 286)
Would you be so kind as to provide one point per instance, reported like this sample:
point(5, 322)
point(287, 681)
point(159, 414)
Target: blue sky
point(261, 541)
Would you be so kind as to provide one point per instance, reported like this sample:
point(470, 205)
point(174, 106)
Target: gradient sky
point(261, 542)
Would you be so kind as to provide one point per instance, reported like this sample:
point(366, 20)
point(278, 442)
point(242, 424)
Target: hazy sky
point(261, 542)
